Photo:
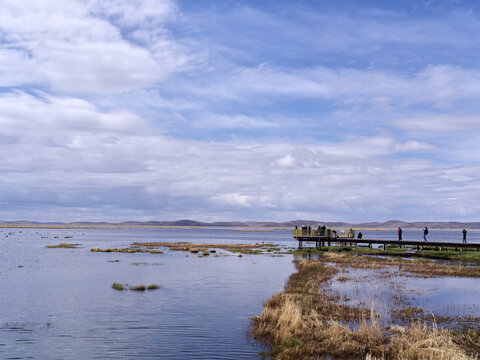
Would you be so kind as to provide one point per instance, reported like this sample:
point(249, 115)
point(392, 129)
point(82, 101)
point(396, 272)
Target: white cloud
point(372, 146)
point(230, 122)
point(71, 47)
point(234, 199)
point(76, 160)
point(134, 12)
point(412, 145)
point(437, 87)
point(439, 123)
point(96, 156)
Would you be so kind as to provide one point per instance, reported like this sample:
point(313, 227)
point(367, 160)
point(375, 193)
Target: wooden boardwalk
point(419, 244)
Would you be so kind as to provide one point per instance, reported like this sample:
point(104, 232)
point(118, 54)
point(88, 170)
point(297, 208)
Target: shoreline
point(309, 321)
point(226, 227)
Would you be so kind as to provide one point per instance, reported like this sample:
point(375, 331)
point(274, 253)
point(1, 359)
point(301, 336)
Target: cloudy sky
point(114, 110)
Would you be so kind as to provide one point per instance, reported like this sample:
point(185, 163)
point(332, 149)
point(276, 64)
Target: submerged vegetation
point(308, 321)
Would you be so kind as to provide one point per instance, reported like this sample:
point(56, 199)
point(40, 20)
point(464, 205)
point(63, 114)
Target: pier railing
point(315, 233)
point(321, 240)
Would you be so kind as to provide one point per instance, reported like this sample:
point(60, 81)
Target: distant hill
point(391, 224)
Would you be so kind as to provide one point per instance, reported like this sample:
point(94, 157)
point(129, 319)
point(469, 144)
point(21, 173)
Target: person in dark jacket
point(464, 236)
point(360, 235)
point(400, 234)
point(425, 233)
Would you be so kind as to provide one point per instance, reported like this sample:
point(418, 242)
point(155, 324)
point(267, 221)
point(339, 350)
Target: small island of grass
point(63, 246)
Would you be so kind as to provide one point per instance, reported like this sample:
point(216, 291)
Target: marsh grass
point(204, 249)
point(246, 249)
point(63, 246)
point(420, 268)
point(118, 286)
point(138, 288)
point(306, 322)
point(143, 287)
point(466, 255)
point(153, 287)
point(130, 250)
point(121, 287)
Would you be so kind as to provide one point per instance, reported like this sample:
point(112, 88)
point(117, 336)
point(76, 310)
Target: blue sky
point(239, 110)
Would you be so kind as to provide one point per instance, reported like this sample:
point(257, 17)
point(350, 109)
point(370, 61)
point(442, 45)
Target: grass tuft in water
point(118, 286)
point(138, 288)
point(63, 246)
point(153, 287)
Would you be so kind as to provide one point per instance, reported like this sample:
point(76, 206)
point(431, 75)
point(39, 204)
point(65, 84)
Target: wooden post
point(300, 244)
point(384, 247)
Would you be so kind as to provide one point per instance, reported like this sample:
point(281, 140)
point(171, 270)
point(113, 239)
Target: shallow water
point(60, 305)
point(389, 289)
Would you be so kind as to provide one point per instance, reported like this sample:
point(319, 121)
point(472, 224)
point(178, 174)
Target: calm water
point(388, 288)
point(59, 304)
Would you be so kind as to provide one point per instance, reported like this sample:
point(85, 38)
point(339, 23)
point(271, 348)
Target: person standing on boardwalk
point(400, 234)
point(464, 236)
point(425, 233)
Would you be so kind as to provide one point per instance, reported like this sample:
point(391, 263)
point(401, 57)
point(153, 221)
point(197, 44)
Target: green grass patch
point(153, 287)
point(245, 251)
point(138, 288)
point(118, 286)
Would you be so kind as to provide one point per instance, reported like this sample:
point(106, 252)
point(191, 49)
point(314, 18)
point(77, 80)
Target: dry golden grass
point(304, 322)
point(63, 246)
point(425, 268)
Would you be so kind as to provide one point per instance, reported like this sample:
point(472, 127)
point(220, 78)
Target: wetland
point(218, 293)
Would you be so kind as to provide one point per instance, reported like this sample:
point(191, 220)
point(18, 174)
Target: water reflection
point(202, 311)
point(392, 291)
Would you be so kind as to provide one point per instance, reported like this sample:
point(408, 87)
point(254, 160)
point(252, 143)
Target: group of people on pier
point(322, 229)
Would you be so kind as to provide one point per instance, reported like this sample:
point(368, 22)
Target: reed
point(305, 322)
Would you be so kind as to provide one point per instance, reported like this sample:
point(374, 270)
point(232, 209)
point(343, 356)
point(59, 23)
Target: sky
point(116, 110)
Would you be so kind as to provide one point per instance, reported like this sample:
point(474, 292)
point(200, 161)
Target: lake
point(59, 303)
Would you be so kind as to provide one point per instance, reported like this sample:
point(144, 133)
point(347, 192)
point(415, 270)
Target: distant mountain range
point(391, 224)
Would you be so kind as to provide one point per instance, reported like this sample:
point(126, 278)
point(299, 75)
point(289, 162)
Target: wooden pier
point(321, 241)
